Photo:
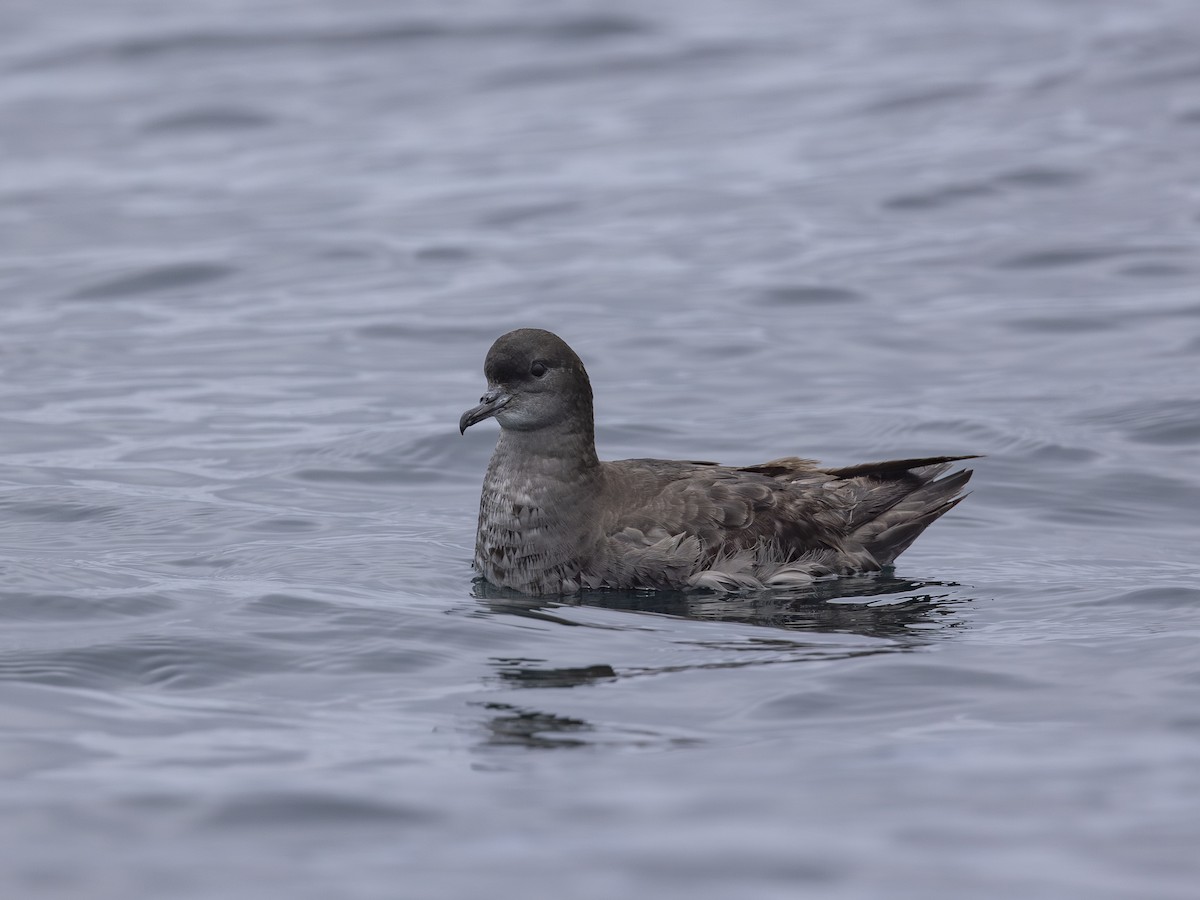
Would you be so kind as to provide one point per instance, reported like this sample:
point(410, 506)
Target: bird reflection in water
point(896, 614)
point(879, 606)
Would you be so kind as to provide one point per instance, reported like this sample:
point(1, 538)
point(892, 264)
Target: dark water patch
point(212, 42)
point(167, 454)
point(379, 621)
point(209, 119)
point(1036, 177)
point(908, 672)
point(1117, 500)
point(1073, 511)
point(1189, 116)
point(346, 637)
point(22, 437)
point(340, 645)
point(1061, 325)
point(223, 757)
point(289, 605)
point(1060, 454)
point(44, 568)
point(1154, 270)
point(311, 810)
point(1153, 76)
point(15, 404)
point(209, 42)
point(920, 99)
point(444, 253)
point(430, 332)
point(808, 295)
point(110, 410)
point(1165, 422)
point(923, 685)
point(597, 26)
point(1169, 433)
point(62, 608)
point(25, 756)
point(1189, 311)
point(379, 476)
point(207, 561)
point(1064, 257)
point(61, 511)
point(284, 525)
point(1174, 597)
point(716, 349)
point(165, 279)
point(814, 703)
point(142, 477)
point(185, 664)
point(352, 253)
point(1032, 178)
point(433, 458)
point(223, 400)
point(620, 66)
point(362, 658)
point(516, 215)
point(937, 198)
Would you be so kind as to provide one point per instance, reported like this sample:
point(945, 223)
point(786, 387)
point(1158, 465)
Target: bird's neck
point(566, 450)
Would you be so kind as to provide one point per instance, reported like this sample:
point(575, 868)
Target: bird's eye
point(538, 369)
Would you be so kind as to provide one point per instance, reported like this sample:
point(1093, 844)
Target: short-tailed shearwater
point(554, 519)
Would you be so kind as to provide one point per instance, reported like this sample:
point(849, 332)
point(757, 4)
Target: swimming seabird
point(554, 518)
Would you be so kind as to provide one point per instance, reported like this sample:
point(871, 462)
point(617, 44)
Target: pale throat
point(567, 448)
point(553, 473)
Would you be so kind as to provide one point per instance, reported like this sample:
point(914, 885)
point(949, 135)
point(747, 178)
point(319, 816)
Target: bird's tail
point(889, 533)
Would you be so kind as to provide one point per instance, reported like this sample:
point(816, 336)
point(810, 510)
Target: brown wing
point(725, 509)
point(789, 505)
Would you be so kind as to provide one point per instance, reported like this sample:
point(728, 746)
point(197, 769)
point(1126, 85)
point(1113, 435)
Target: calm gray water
point(252, 254)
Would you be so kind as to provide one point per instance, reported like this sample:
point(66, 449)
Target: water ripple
point(160, 279)
point(152, 48)
point(1163, 422)
point(149, 661)
point(255, 810)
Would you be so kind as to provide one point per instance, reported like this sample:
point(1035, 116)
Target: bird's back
point(673, 523)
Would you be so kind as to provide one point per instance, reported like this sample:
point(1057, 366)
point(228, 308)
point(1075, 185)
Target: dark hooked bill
point(489, 404)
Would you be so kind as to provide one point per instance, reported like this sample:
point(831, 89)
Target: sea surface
point(252, 255)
